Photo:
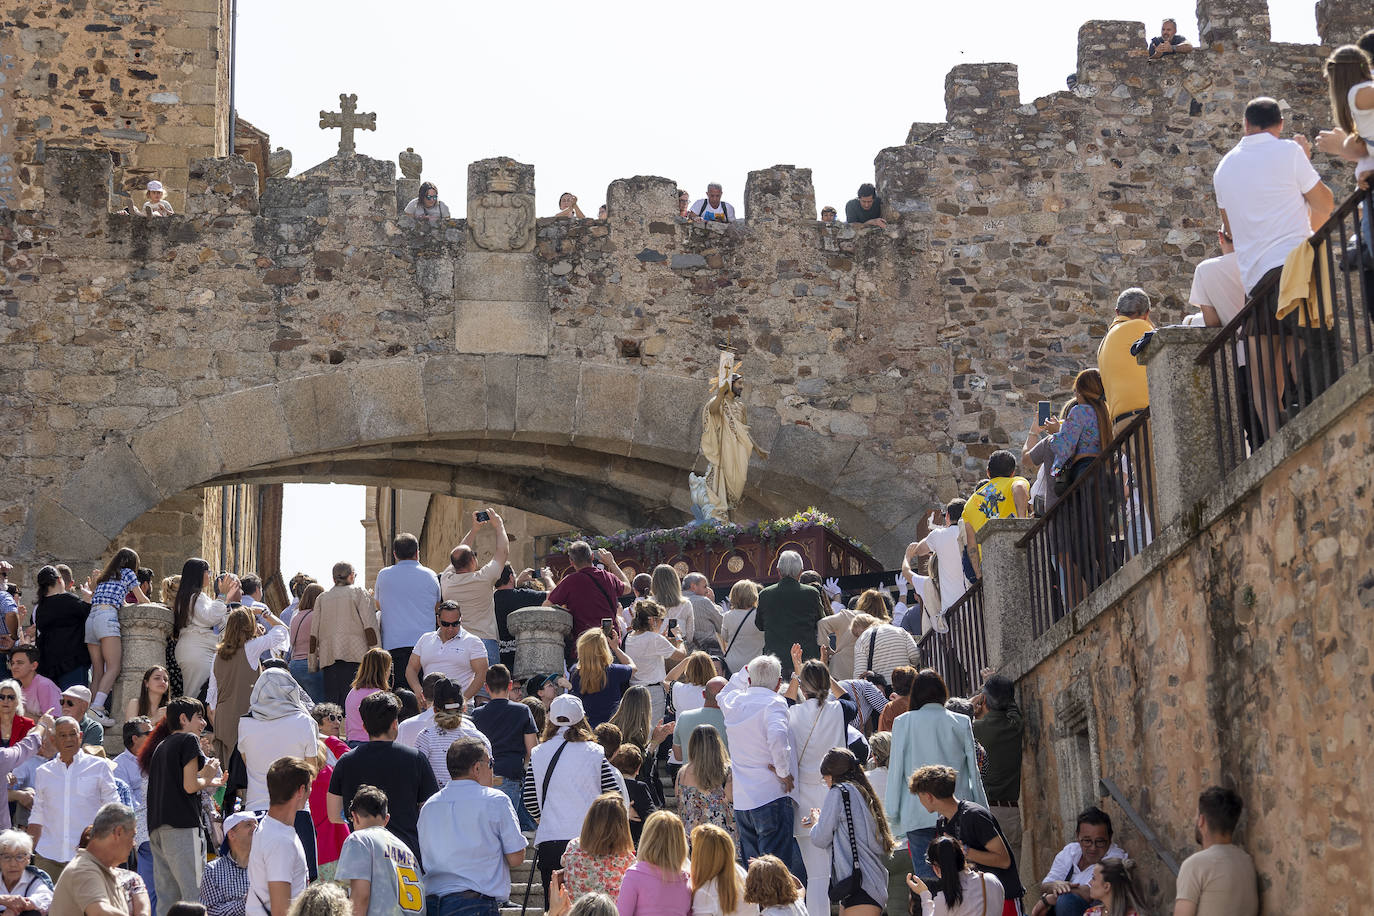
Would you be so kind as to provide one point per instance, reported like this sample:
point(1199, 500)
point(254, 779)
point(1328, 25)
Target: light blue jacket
point(922, 737)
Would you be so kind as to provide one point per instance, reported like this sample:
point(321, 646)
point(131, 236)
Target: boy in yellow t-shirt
point(1002, 495)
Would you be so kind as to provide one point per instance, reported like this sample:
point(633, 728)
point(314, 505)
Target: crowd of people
point(778, 752)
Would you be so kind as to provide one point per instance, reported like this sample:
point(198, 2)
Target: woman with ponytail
point(852, 809)
point(963, 891)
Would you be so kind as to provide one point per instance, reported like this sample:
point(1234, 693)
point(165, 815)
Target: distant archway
point(600, 447)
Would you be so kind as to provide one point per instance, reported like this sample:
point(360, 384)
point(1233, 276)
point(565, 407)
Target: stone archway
point(613, 444)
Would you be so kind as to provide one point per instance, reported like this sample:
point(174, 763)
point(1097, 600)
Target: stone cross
point(346, 120)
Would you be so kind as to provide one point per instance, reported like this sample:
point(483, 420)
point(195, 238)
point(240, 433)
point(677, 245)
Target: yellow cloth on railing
point(1298, 286)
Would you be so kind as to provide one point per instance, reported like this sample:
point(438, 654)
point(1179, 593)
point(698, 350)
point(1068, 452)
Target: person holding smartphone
point(652, 652)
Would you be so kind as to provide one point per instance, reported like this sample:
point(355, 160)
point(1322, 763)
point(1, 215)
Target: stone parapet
point(144, 629)
point(540, 633)
point(973, 91)
point(1187, 466)
point(781, 194)
point(1007, 610)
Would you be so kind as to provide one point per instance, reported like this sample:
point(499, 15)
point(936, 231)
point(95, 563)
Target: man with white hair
point(761, 760)
point(68, 791)
point(788, 613)
point(711, 208)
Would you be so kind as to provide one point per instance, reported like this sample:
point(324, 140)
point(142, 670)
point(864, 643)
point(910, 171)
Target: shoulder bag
point(742, 622)
point(845, 887)
point(369, 633)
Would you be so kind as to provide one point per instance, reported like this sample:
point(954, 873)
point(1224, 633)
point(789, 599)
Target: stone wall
point(147, 81)
point(312, 333)
point(174, 530)
point(1243, 659)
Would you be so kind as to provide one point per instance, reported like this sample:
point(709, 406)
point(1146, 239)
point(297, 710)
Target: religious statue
point(726, 443)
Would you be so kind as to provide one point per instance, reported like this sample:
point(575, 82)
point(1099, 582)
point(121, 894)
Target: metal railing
point(962, 652)
point(1265, 370)
point(1110, 788)
point(1105, 517)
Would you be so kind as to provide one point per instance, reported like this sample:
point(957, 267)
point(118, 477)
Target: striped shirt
point(434, 743)
point(894, 648)
point(113, 591)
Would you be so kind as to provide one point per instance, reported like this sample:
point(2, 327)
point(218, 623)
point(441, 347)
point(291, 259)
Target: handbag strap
point(548, 774)
point(984, 878)
point(849, 817)
point(743, 621)
point(807, 743)
point(872, 644)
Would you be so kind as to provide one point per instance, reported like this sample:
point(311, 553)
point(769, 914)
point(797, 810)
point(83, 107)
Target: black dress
point(61, 620)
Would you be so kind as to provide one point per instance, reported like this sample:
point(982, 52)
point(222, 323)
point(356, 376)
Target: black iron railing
point(1265, 370)
point(1105, 517)
point(962, 652)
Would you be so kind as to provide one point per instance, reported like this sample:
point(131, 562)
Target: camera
point(483, 515)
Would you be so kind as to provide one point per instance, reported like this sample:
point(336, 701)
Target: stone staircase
point(526, 875)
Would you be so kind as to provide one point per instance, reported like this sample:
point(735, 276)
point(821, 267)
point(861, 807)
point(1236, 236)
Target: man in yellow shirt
point(1002, 495)
point(1122, 377)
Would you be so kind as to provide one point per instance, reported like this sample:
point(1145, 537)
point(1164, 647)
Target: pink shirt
point(643, 892)
point(41, 696)
point(353, 721)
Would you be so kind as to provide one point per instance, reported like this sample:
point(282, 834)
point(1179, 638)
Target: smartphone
point(608, 626)
point(832, 642)
point(1044, 412)
point(672, 624)
point(484, 516)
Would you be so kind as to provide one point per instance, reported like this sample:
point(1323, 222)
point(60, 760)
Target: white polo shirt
point(1260, 184)
point(451, 659)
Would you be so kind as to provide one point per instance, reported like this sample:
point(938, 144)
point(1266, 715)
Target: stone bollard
point(1007, 609)
point(539, 636)
point(144, 629)
point(1182, 421)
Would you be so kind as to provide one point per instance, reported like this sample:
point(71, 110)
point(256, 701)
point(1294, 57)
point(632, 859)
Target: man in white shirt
point(451, 651)
point(949, 555)
point(1271, 200)
point(277, 872)
point(711, 208)
point(1219, 291)
point(761, 759)
point(473, 587)
point(68, 791)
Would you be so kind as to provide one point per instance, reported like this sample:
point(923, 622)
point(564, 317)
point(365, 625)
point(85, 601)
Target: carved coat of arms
point(502, 222)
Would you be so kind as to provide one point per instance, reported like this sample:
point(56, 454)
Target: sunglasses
point(8, 697)
point(67, 702)
point(450, 623)
point(331, 717)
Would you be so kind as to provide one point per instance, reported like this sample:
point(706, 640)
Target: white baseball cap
point(238, 817)
point(154, 185)
point(566, 710)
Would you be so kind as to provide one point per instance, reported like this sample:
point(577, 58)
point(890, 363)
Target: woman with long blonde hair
point(705, 790)
point(657, 882)
point(374, 675)
point(600, 676)
point(596, 860)
point(665, 588)
point(717, 878)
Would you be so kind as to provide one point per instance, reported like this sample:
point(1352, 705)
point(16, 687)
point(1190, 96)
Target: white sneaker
point(103, 717)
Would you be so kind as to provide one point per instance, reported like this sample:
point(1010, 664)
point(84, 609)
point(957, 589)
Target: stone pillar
point(144, 629)
point(1231, 22)
point(1342, 22)
point(539, 636)
point(1006, 587)
point(972, 91)
point(779, 194)
point(1182, 423)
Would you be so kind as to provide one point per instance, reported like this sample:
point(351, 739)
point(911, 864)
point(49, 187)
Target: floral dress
point(698, 807)
point(588, 874)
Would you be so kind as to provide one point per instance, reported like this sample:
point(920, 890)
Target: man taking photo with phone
point(464, 582)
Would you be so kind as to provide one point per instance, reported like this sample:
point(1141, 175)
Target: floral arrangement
point(657, 544)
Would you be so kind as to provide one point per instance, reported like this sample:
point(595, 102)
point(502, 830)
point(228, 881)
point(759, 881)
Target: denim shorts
point(103, 621)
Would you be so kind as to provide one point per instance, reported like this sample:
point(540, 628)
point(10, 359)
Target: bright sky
point(321, 525)
point(592, 92)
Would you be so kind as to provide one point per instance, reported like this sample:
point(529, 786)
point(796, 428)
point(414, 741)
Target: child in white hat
point(156, 205)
